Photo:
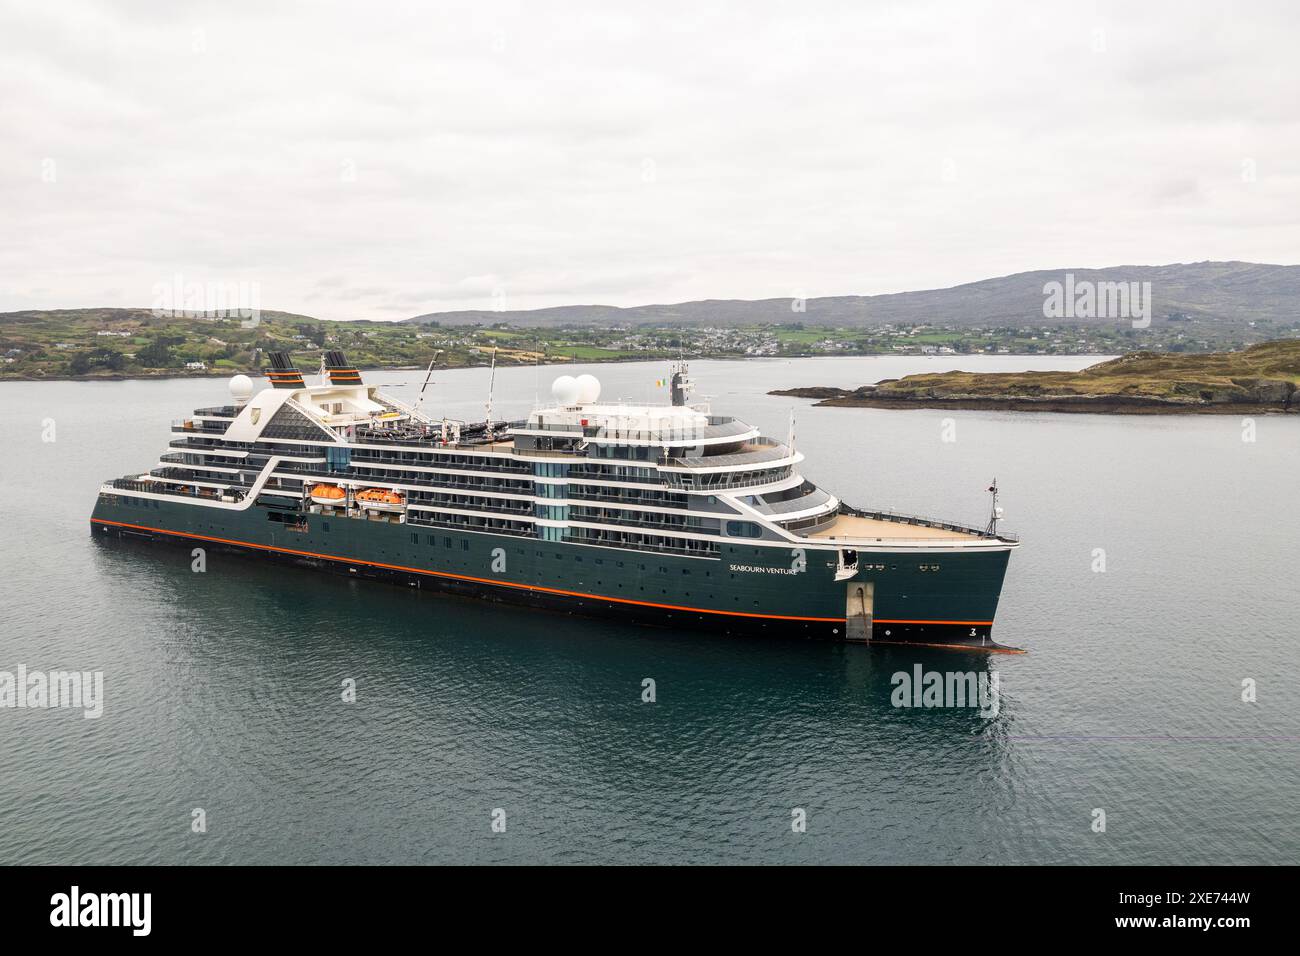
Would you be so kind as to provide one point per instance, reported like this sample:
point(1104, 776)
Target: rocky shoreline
point(1094, 404)
point(1260, 379)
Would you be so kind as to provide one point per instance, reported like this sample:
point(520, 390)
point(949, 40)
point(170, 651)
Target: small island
point(1262, 378)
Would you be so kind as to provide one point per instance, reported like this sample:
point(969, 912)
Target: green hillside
point(1265, 375)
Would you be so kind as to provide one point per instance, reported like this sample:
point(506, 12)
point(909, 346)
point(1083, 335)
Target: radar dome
point(241, 388)
point(588, 389)
point(565, 389)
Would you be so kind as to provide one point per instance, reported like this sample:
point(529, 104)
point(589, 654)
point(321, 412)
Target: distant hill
point(1229, 292)
point(103, 316)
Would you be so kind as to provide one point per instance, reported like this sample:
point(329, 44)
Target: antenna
point(995, 513)
point(324, 379)
point(790, 442)
point(492, 378)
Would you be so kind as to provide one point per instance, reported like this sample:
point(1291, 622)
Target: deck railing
point(920, 522)
point(176, 491)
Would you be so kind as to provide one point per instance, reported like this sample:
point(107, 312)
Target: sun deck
point(859, 528)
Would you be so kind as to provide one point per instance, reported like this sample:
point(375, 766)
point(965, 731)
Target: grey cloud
point(434, 154)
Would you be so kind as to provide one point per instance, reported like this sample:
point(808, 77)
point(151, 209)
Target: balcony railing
point(422, 519)
point(693, 549)
point(362, 457)
point(203, 427)
point(733, 480)
point(643, 520)
point(439, 482)
point(566, 453)
point(483, 505)
point(631, 501)
point(175, 491)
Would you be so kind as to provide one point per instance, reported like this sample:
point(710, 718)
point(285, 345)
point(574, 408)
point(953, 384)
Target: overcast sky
point(379, 161)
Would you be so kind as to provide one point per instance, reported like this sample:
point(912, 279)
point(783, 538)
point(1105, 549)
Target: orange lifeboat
point(380, 499)
point(331, 495)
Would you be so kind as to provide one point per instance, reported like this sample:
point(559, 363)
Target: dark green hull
point(916, 596)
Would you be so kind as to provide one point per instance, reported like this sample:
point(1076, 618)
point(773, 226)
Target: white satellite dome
point(565, 389)
point(241, 388)
point(588, 389)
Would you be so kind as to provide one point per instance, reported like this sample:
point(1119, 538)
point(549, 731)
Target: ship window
point(446, 542)
point(415, 539)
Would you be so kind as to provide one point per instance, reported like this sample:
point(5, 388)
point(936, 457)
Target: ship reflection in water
point(575, 725)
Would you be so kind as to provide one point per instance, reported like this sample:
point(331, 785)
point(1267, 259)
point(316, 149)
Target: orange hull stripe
point(466, 577)
point(881, 620)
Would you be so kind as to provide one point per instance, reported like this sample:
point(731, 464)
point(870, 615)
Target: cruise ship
point(662, 515)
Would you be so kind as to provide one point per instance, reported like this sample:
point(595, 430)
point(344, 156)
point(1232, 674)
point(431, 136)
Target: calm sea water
point(223, 689)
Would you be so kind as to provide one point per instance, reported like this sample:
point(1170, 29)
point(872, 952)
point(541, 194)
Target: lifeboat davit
point(331, 495)
point(380, 499)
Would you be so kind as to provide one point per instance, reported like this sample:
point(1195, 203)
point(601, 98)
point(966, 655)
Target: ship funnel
point(283, 373)
point(340, 370)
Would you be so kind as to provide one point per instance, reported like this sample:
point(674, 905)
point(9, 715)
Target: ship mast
point(679, 385)
point(995, 513)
